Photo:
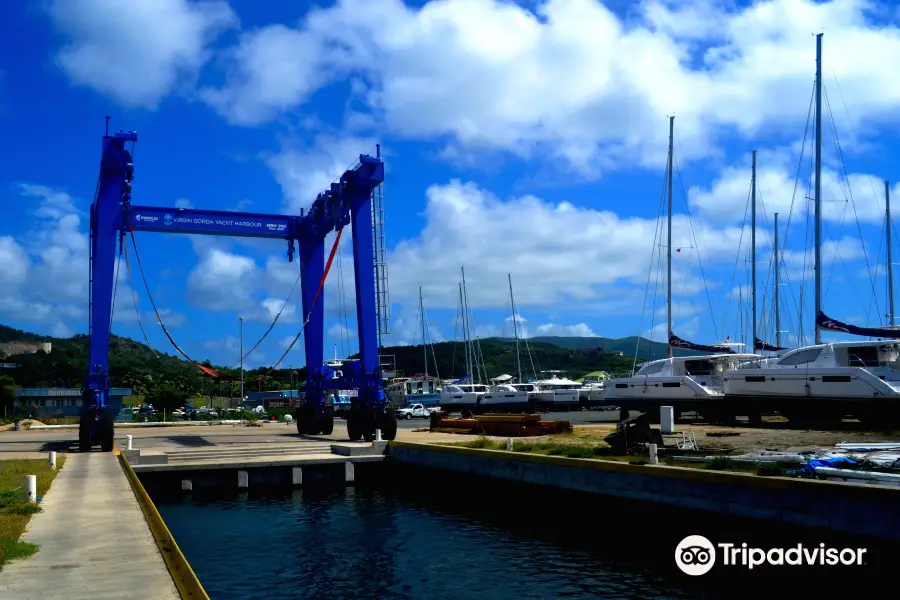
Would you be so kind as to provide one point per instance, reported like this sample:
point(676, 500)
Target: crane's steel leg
point(376, 413)
point(311, 417)
point(97, 414)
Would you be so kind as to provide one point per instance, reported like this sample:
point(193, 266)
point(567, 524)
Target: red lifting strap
point(205, 369)
point(210, 371)
point(337, 240)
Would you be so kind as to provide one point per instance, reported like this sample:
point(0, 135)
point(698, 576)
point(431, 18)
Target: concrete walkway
point(94, 541)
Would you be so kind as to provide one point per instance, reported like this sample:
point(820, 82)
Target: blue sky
point(521, 138)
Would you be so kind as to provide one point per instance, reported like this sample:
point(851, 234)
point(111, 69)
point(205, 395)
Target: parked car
point(417, 411)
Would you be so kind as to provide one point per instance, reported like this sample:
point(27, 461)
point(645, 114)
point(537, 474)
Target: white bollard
point(378, 435)
point(53, 460)
point(667, 419)
point(31, 487)
point(509, 443)
point(129, 438)
point(653, 458)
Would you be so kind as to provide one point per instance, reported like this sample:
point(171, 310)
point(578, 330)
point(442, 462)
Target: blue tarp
point(461, 380)
point(834, 462)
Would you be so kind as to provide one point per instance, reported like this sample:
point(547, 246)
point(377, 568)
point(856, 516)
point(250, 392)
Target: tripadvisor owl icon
point(695, 555)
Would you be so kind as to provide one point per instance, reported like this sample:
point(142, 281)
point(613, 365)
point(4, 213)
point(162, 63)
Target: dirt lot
point(752, 440)
point(741, 439)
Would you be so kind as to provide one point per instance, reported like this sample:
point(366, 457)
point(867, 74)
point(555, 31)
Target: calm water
point(438, 543)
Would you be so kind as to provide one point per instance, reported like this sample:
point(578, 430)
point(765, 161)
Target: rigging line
point(852, 129)
point(112, 310)
point(852, 202)
point(835, 255)
point(737, 258)
point(853, 287)
point(880, 245)
point(334, 248)
point(694, 235)
point(653, 252)
point(787, 230)
point(769, 269)
point(342, 308)
point(437, 373)
point(515, 309)
point(456, 324)
point(207, 370)
point(272, 325)
point(135, 302)
point(479, 363)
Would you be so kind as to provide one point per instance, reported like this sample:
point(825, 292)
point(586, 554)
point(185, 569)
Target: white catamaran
point(687, 383)
point(821, 383)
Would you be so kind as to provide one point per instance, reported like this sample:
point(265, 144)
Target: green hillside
point(500, 357)
point(131, 364)
point(648, 350)
point(135, 365)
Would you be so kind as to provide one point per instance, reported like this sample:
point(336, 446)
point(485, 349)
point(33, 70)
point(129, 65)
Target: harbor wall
point(856, 509)
point(258, 478)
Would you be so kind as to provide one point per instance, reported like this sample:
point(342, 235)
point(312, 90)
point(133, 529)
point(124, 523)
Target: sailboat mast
point(818, 184)
point(473, 360)
point(777, 305)
point(669, 242)
point(890, 264)
point(465, 330)
point(424, 339)
point(512, 301)
point(753, 246)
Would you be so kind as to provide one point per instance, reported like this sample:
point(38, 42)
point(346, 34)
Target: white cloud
point(222, 281)
point(305, 173)
point(44, 269)
point(137, 52)
point(727, 198)
point(557, 253)
point(254, 94)
point(231, 346)
point(572, 80)
point(338, 331)
point(552, 329)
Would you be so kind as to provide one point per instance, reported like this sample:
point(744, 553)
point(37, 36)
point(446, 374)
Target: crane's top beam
point(211, 222)
point(330, 211)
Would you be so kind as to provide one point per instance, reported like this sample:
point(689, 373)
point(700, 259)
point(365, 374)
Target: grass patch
point(573, 447)
point(15, 510)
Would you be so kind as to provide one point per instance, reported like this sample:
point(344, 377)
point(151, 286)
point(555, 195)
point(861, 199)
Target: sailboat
point(821, 383)
point(687, 383)
point(464, 394)
point(419, 389)
point(511, 395)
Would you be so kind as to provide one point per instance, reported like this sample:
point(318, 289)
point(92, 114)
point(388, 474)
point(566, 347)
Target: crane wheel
point(107, 434)
point(387, 423)
point(354, 425)
point(327, 423)
point(301, 421)
point(84, 435)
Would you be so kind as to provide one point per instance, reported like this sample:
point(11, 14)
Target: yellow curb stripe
point(186, 581)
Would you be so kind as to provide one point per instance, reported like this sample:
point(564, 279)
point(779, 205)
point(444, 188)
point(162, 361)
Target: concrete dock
point(94, 541)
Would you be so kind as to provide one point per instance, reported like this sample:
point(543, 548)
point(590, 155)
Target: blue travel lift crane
point(348, 201)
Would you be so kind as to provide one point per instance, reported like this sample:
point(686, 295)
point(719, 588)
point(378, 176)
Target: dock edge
point(688, 474)
point(186, 581)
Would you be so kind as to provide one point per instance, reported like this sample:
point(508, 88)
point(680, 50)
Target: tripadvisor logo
point(696, 555)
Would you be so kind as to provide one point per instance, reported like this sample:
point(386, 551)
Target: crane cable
point(277, 316)
point(208, 370)
point(135, 302)
point(312, 307)
point(205, 369)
